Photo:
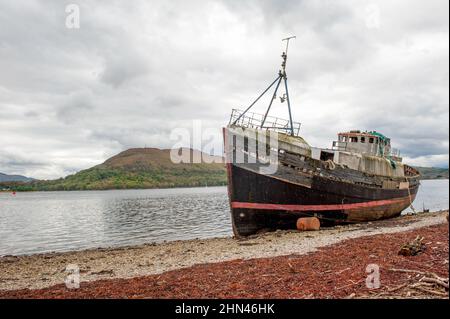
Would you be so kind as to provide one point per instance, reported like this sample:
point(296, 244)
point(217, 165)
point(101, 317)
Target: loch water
point(38, 222)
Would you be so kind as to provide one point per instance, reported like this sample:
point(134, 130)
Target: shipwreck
point(359, 178)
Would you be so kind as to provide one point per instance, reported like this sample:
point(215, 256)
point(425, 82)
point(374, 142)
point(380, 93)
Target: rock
point(247, 244)
point(103, 272)
point(412, 248)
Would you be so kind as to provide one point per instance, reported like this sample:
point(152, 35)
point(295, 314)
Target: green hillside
point(14, 178)
point(135, 168)
point(433, 172)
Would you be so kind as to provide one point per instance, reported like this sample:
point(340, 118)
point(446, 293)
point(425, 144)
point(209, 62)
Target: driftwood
point(431, 291)
point(413, 248)
point(424, 273)
point(436, 281)
point(425, 282)
point(397, 288)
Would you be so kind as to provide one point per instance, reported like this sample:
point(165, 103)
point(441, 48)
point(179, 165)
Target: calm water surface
point(61, 221)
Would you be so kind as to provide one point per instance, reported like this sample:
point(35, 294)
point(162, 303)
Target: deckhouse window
point(354, 139)
point(363, 139)
point(371, 140)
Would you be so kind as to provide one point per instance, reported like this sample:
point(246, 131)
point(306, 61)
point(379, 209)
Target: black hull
point(267, 202)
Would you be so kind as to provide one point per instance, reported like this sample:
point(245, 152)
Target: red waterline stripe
point(316, 207)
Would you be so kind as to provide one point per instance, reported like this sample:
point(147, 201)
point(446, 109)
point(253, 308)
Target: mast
point(281, 77)
point(284, 56)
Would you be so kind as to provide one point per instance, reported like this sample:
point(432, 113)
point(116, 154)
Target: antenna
point(287, 42)
point(281, 77)
point(284, 55)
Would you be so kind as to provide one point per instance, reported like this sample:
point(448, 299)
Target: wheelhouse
point(367, 142)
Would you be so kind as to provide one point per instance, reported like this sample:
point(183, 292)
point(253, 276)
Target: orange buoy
point(308, 223)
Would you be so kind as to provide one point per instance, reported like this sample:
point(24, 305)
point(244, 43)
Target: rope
point(330, 164)
point(410, 198)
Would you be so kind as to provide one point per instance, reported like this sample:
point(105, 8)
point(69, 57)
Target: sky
point(128, 73)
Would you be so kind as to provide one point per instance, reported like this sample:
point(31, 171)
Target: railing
point(255, 120)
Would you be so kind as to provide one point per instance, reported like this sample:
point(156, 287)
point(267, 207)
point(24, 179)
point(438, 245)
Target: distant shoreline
point(108, 189)
point(434, 179)
point(175, 187)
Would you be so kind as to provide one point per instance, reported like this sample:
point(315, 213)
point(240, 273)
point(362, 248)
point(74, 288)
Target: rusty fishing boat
point(272, 182)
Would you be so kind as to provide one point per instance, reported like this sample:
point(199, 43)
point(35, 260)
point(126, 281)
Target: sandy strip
point(44, 270)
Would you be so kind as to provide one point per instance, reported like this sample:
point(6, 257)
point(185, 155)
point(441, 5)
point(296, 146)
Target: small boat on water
point(275, 177)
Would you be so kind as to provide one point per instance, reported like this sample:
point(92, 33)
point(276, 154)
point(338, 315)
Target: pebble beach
point(102, 269)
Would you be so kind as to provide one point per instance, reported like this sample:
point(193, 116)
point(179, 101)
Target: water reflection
point(61, 221)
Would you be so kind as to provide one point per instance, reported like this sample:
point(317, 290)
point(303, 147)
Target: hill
point(138, 168)
point(433, 172)
point(14, 178)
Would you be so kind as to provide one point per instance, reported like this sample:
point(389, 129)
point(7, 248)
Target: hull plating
point(268, 202)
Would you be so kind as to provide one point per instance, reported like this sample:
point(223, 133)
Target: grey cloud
point(7, 160)
point(123, 67)
point(76, 107)
point(134, 71)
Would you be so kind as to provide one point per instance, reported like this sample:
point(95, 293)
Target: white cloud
point(440, 160)
point(70, 98)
